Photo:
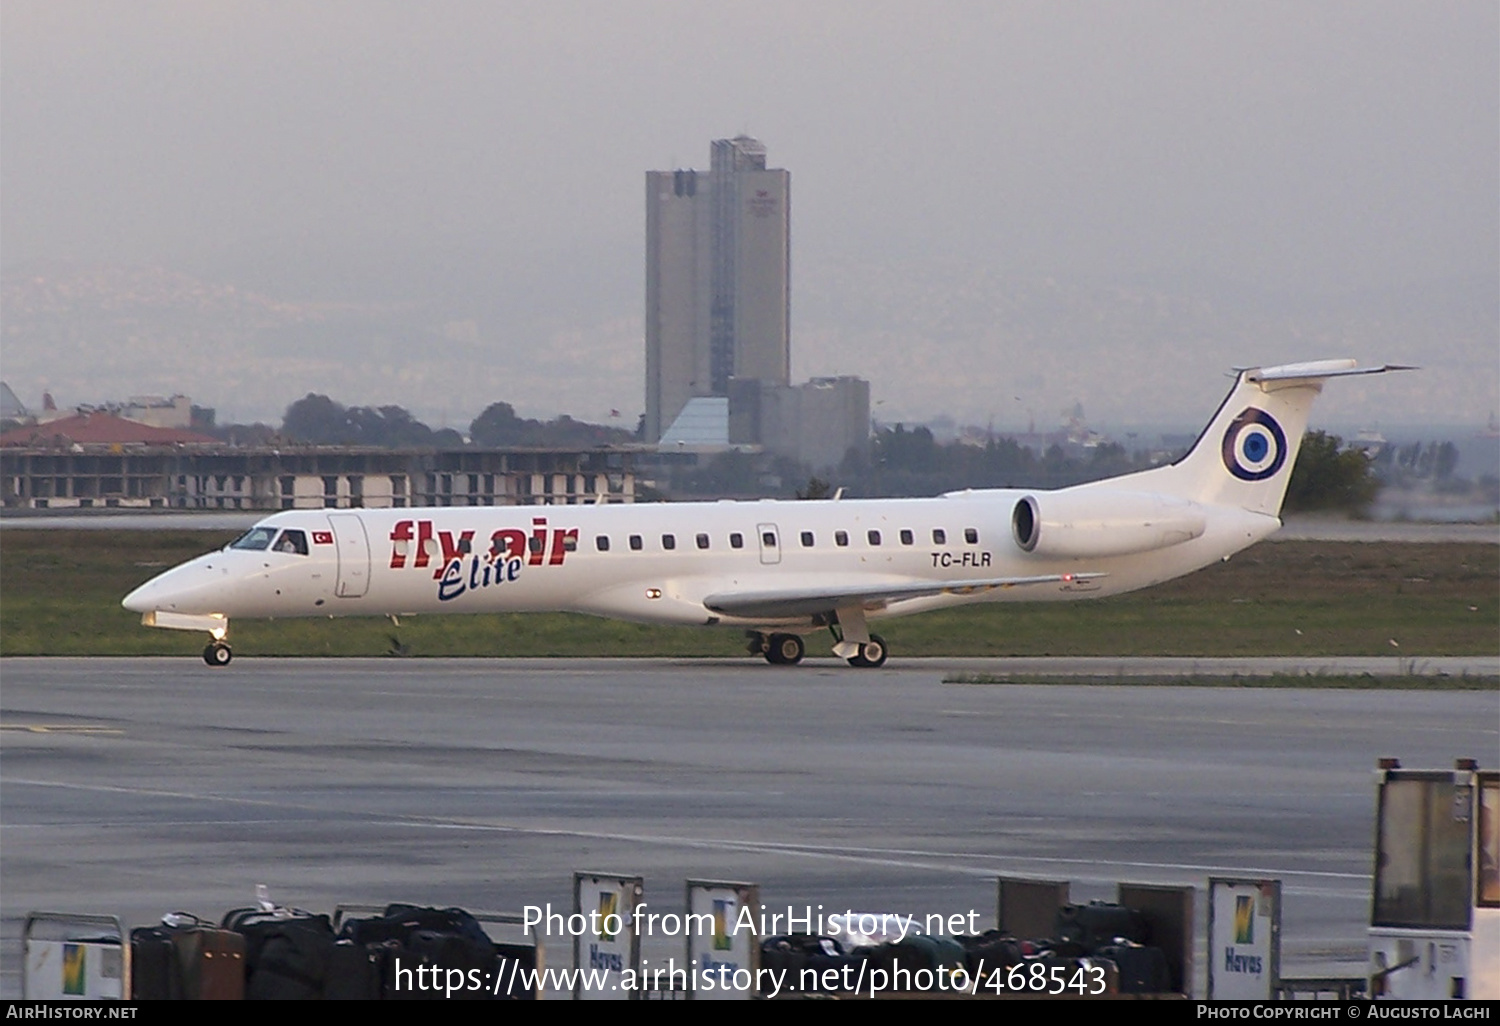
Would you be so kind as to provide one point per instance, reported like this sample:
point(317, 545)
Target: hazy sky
point(361, 150)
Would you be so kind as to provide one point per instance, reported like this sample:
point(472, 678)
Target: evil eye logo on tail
point(1254, 446)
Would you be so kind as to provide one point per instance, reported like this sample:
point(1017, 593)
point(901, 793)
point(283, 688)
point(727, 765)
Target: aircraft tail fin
point(1244, 457)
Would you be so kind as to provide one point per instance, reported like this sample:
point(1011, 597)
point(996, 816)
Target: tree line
point(901, 461)
point(906, 462)
point(318, 420)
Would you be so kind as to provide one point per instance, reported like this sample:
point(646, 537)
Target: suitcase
point(400, 921)
point(153, 965)
point(795, 952)
point(448, 953)
point(1143, 970)
point(286, 952)
point(783, 959)
point(428, 938)
point(512, 986)
point(989, 952)
point(1052, 975)
point(212, 962)
point(831, 972)
point(355, 972)
point(186, 960)
point(1099, 923)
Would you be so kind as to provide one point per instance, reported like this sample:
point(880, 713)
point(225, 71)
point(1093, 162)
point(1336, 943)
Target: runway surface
point(141, 786)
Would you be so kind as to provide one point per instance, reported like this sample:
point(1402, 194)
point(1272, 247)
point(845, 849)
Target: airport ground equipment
point(608, 940)
point(1435, 909)
point(1244, 939)
point(72, 957)
point(727, 950)
point(1041, 908)
point(1028, 908)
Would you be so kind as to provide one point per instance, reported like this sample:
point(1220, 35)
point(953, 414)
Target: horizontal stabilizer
point(1316, 370)
point(811, 601)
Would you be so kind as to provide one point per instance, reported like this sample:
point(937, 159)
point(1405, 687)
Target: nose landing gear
point(217, 653)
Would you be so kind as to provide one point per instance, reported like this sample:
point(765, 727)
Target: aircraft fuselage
point(655, 563)
point(779, 569)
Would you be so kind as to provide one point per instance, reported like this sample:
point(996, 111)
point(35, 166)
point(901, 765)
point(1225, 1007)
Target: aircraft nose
point(157, 593)
point(182, 589)
point(138, 601)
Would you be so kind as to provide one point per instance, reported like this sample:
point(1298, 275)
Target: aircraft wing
point(810, 601)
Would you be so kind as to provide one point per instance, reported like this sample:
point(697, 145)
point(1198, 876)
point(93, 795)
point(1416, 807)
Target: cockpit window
point(257, 538)
point(294, 542)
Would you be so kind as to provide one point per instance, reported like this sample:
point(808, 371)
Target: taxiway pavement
point(141, 786)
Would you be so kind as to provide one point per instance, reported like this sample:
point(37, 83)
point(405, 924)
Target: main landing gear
point(217, 653)
point(784, 649)
point(871, 654)
point(788, 649)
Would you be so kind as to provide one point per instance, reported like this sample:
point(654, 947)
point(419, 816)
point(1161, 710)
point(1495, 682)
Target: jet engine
point(1092, 523)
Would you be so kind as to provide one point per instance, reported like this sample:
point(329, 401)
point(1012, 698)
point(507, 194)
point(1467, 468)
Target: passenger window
point(570, 543)
point(907, 537)
point(534, 543)
point(841, 538)
point(939, 536)
point(635, 543)
point(768, 539)
point(669, 541)
point(602, 543)
point(703, 541)
point(294, 542)
point(736, 540)
point(971, 536)
point(807, 539)
point(874, 537)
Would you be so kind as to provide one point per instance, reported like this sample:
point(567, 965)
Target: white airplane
point(778, 570)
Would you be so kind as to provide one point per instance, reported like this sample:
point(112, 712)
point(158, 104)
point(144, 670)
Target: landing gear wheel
point(871, 654)
point(217, 654)
point(784, 650)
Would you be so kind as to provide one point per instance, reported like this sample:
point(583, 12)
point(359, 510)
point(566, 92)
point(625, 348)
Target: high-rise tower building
point(718, 277)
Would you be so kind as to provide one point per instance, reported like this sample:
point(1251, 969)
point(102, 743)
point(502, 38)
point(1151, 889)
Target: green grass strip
point(60, 595)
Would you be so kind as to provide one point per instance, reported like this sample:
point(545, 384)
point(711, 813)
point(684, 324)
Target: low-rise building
point(203, 476)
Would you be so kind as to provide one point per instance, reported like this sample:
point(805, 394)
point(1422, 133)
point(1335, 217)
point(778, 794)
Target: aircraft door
point(770, 543)
point(353, 548)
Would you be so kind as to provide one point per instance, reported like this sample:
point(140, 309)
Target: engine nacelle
point(1093, 523)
